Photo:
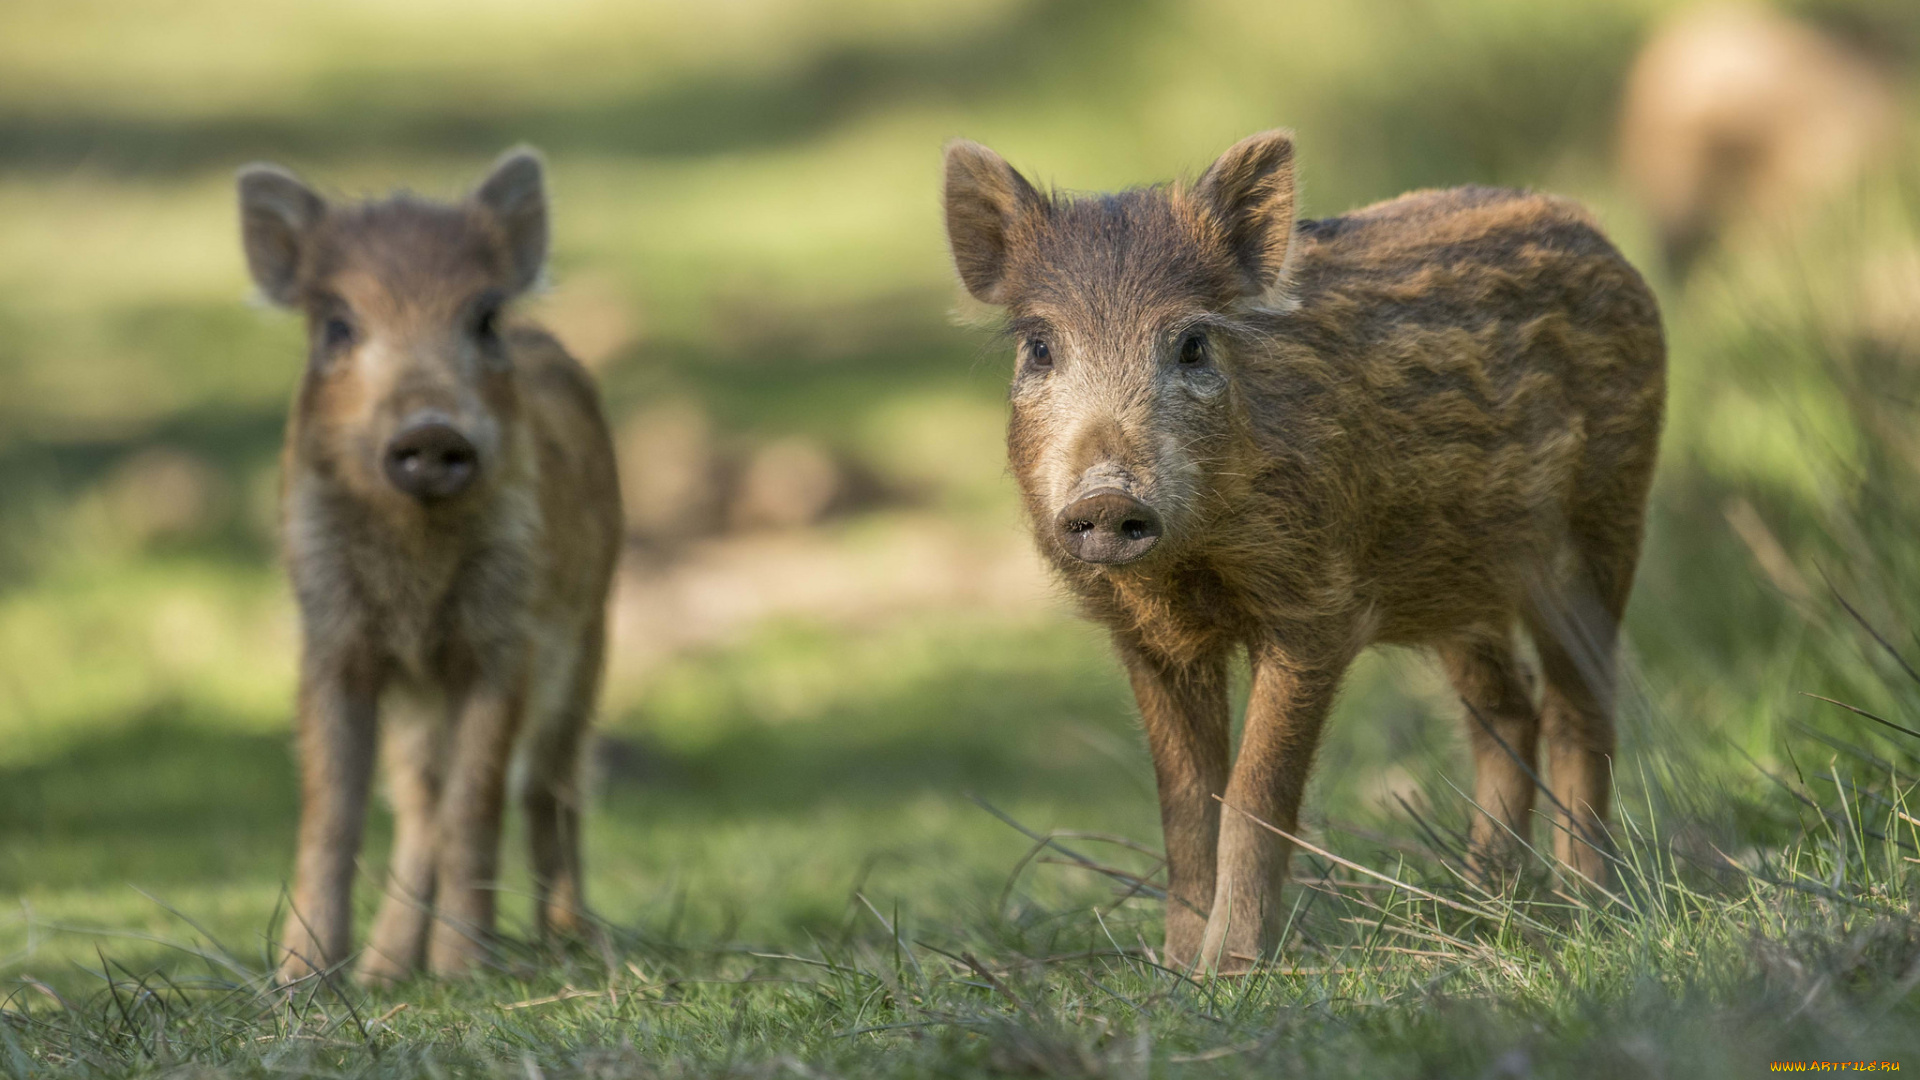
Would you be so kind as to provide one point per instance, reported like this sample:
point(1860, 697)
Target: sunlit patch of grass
point(88, 650)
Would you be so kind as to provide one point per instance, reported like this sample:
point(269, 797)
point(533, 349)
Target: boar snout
point(429, 459)
point(1108, 526)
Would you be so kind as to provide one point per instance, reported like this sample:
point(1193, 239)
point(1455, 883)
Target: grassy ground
point(807, 841)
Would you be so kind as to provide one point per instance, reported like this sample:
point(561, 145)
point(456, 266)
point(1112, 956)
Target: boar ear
point(515, 194)
point(1249, 191)
point(277, 213)
point(985, 200)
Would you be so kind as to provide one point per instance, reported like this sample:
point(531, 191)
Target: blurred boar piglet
point(1737, 117)
point(1428, 422)
point(451, 518)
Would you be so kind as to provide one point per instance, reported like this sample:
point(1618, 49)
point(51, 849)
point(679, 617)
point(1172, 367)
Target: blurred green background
point(748, 251)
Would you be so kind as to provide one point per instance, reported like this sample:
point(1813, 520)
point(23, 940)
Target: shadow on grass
point(1480, 104)
point(178, 796)
point(1008, 735)
point(707, 114)
point(770, 386)
point(174, 797)
point(39, 474)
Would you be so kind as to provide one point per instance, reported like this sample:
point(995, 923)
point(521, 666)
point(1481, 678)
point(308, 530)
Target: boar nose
point(1108, 527)
point(431, 461)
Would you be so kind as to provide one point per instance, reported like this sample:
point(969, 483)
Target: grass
point(807, 845)
point(1705, 964)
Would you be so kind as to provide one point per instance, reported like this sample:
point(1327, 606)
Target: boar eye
point(1193, 349)
point(486, 316)
point(336, 332)
point(1039, 353)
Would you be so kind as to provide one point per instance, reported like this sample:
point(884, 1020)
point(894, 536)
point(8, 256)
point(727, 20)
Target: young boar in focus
point(1421, 423)
point(451, 520)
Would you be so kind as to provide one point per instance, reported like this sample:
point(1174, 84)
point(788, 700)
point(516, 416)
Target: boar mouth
point(1108, 527)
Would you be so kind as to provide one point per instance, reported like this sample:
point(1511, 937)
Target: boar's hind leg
point(1184, 709)
point(411, 748)
point(337, 720)
point(467, 827)
point(1576, 632)
point(1285, 712)
point(1503, 728)
point(552, 798)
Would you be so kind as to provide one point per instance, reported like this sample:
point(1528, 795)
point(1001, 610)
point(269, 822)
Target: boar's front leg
point(1292, 692)
point(412, 746)
point(338, 717)
point(552, 798)
point(468, 826)
point(1184, 709)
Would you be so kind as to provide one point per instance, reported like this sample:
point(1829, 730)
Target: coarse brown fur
point(1421, 423)
point(453, 631)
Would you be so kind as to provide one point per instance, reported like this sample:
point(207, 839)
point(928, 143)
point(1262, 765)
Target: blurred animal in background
point(685, 481)
point(1423, 423)
point(1737, 117)
point(451, 513)
point(161, 492)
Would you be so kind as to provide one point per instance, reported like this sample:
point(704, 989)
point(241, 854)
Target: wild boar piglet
point(1428, 422)
point(451, 519)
